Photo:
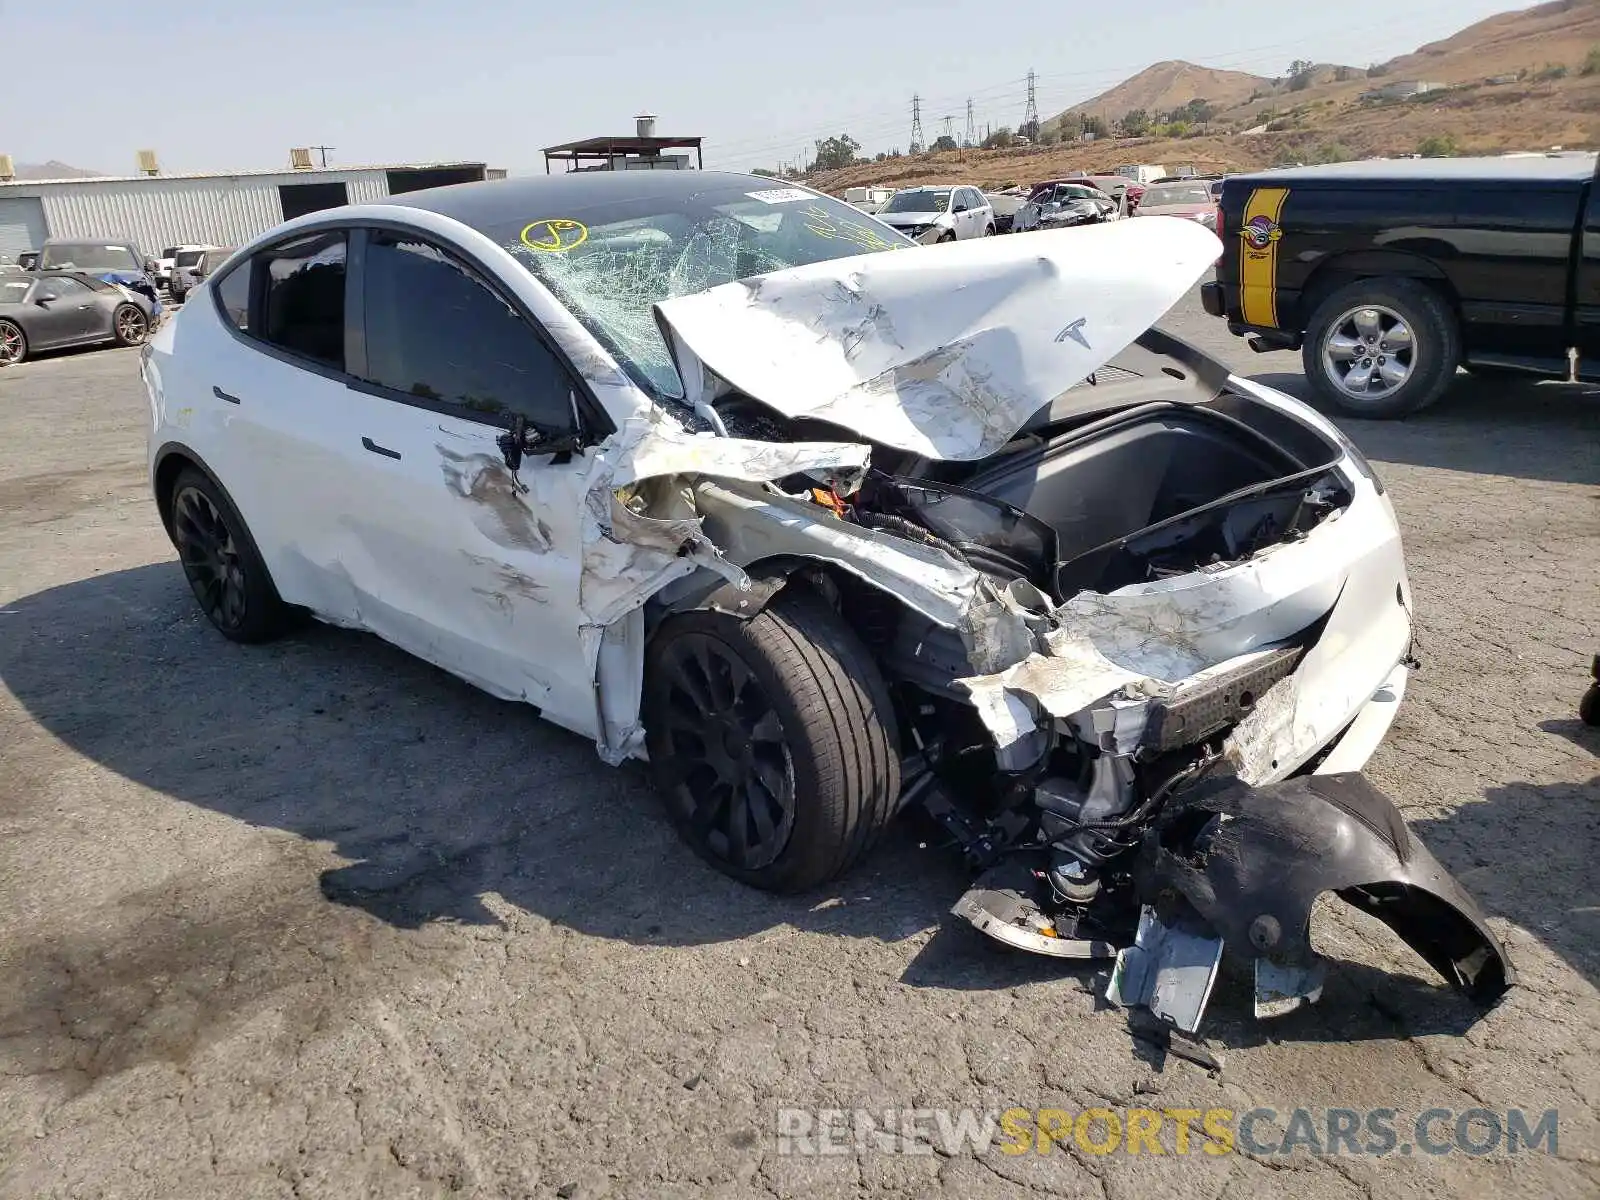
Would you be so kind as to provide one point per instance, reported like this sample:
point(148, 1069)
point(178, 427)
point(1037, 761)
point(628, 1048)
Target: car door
point(459, 559)
point(60, 312)
point(279, 398)
point(966, 223)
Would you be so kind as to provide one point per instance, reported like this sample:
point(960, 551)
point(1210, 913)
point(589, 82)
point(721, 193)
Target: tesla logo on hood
point(1075, 332)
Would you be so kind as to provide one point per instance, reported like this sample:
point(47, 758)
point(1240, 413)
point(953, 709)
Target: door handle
point(222, 395)
point(369, 444)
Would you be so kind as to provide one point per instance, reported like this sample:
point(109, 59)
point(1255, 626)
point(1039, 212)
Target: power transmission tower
point(917, 139)
point(972, 130)
point(1030, 115)
point(949, 126)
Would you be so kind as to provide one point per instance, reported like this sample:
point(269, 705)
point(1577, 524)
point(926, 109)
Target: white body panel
point(945, 355)
point(536, 596)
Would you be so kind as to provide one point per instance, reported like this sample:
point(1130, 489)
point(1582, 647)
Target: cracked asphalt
point(317, 920)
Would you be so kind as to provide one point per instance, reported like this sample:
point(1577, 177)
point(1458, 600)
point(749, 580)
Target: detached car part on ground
point(826, 531)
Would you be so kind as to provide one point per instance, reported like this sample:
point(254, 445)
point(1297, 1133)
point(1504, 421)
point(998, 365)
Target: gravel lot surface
point(317, 920)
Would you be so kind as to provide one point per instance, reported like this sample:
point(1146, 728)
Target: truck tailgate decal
point(1258, 257)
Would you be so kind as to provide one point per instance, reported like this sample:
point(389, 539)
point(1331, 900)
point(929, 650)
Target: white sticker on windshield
point(780, 195)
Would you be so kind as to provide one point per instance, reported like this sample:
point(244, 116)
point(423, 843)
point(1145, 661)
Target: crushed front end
point(1144, 621)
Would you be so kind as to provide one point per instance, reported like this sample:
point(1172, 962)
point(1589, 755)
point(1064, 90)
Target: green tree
point(1135, 123)
point(1438, 147)
point(1000, 139)
point(1095, 126)
point(835, 152)
point(944, 142)
point(1302, 74)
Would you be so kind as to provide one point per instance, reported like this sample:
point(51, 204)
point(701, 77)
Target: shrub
point(1438, 147)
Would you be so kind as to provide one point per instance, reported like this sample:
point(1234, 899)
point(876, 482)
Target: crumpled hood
point(944, 353)
point(910, 218)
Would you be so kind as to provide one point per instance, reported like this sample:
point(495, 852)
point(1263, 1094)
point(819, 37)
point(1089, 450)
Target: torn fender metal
point(1164, 639)
point(948, 354)
point(1251, 862)
point(642, 529)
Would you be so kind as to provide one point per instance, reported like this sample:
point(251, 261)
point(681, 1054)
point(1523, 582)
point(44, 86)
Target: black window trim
point(594, 424)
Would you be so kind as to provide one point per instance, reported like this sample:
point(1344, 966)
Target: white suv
point(939, 214)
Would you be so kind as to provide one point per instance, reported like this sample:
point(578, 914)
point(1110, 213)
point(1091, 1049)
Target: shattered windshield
point(610, 268)
point(918, 200)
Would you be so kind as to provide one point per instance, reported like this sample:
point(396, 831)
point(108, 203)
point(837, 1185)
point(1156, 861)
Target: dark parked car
point(112, 260)
point(56, 309)
point(1389, 275)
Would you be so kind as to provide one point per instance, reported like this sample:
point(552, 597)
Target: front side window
point(64, 288)
point(437, 331)
point(233, 294)
point(302, 308)
point(89, 256)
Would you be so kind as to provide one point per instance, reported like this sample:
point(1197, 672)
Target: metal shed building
point(215, 209)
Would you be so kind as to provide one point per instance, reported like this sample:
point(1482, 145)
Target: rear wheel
point(13, 343)
point(222, 564)
point(772, 741)
point(129, 325)
point(1381, 348)
point(988, 230)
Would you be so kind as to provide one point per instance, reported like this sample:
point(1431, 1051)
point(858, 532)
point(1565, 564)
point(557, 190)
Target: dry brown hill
point(1169, 85)
point(1542, 98)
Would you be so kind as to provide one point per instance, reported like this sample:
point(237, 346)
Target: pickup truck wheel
point(1381, 348)
point(772, 741)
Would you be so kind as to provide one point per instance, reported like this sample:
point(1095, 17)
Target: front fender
point(1253, 861)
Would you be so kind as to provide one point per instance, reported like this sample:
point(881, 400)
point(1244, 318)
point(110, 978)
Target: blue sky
point(219, 85)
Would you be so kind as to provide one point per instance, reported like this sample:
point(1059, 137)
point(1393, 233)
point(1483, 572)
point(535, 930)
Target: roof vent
point(8, 169)
point(300, 158)
point(645, 125)
point(148, 164)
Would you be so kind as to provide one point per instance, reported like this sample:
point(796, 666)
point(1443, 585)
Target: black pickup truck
point(1388, 275)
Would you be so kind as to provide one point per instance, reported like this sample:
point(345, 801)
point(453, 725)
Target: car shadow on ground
point(1516, 427)
point(440, 796)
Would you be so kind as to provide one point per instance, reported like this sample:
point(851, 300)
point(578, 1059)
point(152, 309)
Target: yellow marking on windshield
point(553, 235)
point(825, 225)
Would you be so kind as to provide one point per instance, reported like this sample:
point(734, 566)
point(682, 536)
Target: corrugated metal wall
point(167, 212)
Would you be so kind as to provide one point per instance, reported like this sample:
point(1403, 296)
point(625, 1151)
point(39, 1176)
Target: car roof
point(1570, 168)
point(534, 197)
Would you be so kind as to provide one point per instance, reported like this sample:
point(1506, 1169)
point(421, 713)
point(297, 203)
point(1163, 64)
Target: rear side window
point(302, 304)
point(233, 294)
point(437, 330)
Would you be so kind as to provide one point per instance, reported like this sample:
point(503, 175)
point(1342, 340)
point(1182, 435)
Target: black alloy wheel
point(733, 778)
point(211, 559)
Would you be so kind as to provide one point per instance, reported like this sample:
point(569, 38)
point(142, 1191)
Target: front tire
point(13, 343)
point(221, 562)
point(772, 741)
point(129, 325)
point(1381, 348)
